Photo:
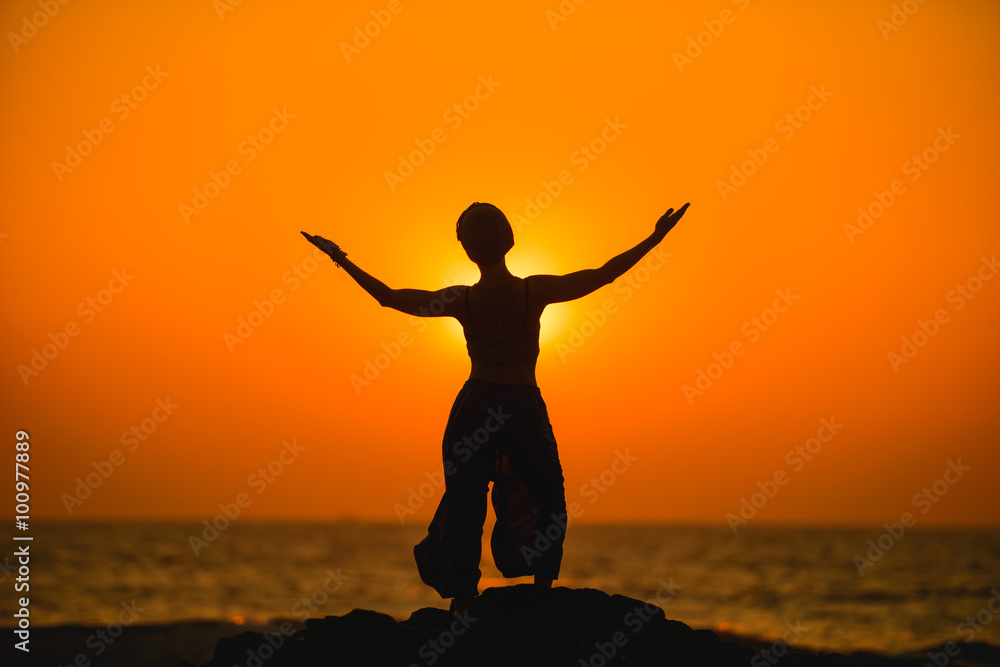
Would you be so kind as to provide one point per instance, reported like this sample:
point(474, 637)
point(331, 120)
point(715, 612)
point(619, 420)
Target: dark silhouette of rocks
point(528, 625)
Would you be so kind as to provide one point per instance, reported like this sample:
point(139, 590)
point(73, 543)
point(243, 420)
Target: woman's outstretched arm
point(556, 289)
point(423, 303)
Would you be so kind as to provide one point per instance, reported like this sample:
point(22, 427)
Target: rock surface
point(523, 625)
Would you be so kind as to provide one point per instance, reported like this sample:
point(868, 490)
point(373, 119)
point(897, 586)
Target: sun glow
point(555, 318)
point(229, 316)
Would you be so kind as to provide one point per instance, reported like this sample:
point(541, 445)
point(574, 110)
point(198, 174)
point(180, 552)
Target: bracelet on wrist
point(338, 255)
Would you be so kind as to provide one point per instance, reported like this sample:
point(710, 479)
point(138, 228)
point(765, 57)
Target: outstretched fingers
point(678, 214)
point(329, 247)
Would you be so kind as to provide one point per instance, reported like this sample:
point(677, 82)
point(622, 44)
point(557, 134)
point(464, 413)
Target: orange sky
point(161, 161)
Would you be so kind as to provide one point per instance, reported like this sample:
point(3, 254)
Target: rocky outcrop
point(520, 625)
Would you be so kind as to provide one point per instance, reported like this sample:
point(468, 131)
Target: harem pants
point(499, 433)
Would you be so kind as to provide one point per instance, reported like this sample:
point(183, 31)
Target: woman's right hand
point(669, 219)
point(329, 247)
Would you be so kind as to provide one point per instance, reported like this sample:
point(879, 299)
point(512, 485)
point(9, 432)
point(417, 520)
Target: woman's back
point(501, 331)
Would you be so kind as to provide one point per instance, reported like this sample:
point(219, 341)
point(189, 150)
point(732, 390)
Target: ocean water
point(918, 593)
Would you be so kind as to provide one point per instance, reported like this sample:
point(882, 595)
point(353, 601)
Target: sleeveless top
point(505, 343)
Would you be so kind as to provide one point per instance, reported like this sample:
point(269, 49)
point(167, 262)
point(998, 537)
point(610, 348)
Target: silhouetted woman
point(498, 429)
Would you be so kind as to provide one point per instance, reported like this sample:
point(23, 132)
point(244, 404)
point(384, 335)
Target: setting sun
point(773, 410)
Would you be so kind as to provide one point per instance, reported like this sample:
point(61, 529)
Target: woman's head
point(485, 233)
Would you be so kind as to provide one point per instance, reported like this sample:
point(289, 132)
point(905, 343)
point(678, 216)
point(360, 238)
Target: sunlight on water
point(754, 583)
